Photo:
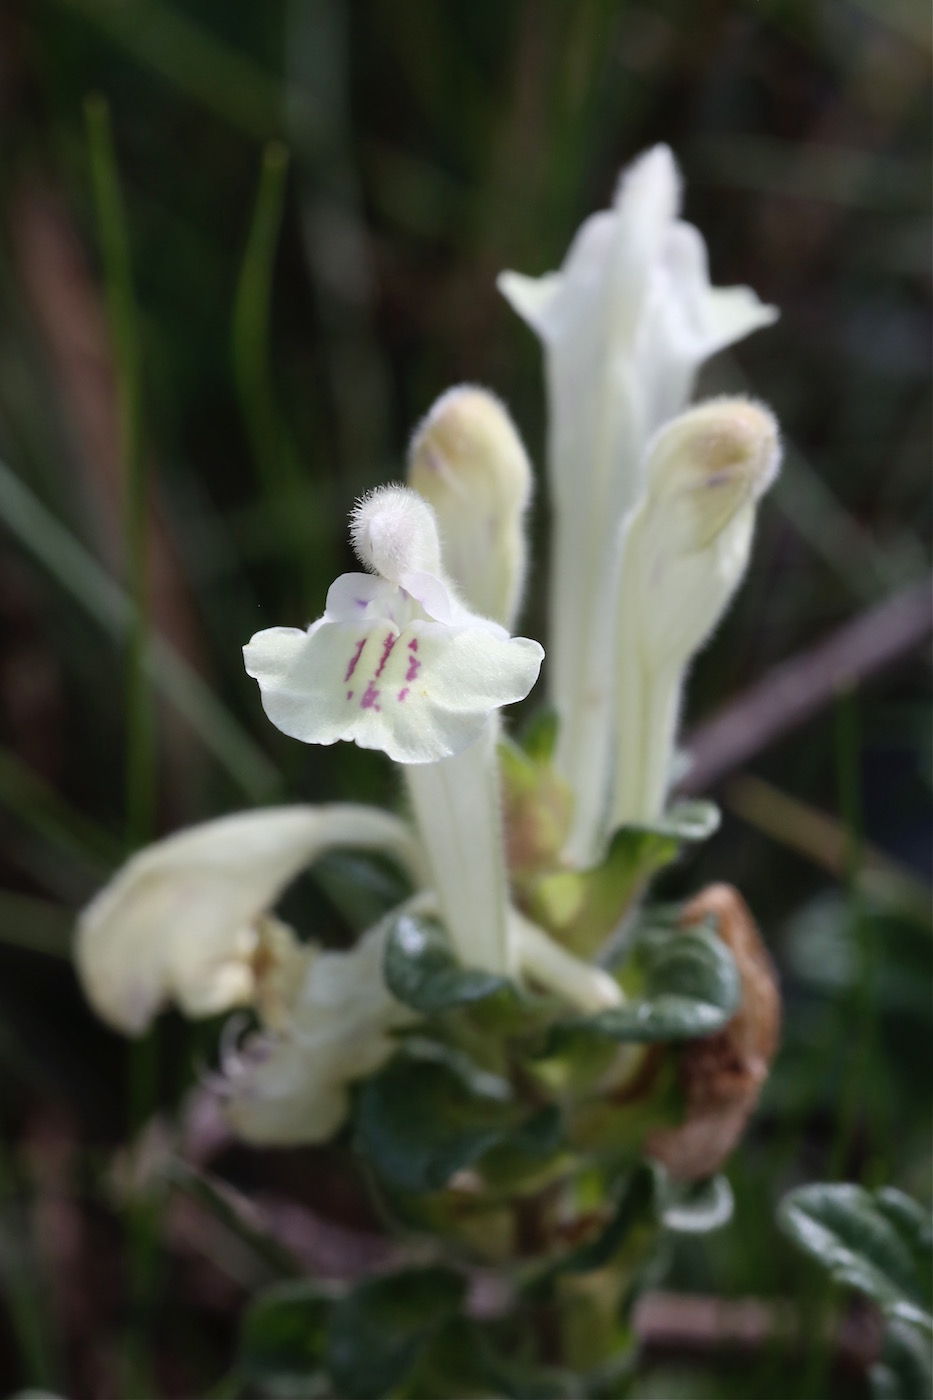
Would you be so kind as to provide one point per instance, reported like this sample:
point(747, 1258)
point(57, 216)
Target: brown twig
point(694, 1325)
point(799, 688)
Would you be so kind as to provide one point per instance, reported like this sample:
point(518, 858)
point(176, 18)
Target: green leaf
point(684, 984)
point(905, 1370)
point(363, 887)
point(282, 1340)
point(636, 1208)
point(462, 1360)
point(376, 1334)
point(696, 1207)
point(877, 1243)
point(690, 821)
point(582, 908)
point(539, 736)
point(429, 1113)
point(422, 971)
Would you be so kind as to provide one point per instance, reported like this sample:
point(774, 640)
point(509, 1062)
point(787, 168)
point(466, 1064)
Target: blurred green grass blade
point(251, 314)
point(29, 1312)
point(41, 808)
point(38, 925)
point(106, 602)
point(337, 244)
point(140, 737)
point(278, 466)
point(124, 334)
point(191, 58)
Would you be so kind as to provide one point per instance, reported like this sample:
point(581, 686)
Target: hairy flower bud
point(468, 460)
point(685, 550)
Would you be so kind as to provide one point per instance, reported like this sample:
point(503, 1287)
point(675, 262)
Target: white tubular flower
point(626, 324)
point(458, 811)
point(293, 1086)
point(685, 552)
point(468, 460)
point(397, 662)
point(588, 988)
point(186, 921)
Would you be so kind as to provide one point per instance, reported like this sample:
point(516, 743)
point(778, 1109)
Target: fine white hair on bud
point(393, 531)
point(685, 551)
point(714, 459)
point(467, 459)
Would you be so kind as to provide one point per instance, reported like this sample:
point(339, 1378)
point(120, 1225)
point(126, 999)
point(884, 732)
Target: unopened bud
point(468, 460)
point(689, 542)
point(685, 552)
point(394, 532)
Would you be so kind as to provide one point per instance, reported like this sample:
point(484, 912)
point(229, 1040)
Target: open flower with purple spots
point(396, 662)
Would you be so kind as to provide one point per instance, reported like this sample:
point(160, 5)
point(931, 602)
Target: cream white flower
point(467, 459)
point(292, 1086)
point(626, 324)
point(397, 662)
point(686, 549)
point(186, 920)
point(468, 668)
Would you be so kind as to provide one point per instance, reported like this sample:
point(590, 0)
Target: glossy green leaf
point(697, 1207)
point(682, 984)
point(422, 971)
point(905, 1369)
point(376, 1333)
point(283, 1338)
point(428, 1114)
point(880, 1244)
point(690, 821)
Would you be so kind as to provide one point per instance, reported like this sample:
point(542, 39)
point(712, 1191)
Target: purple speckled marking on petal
point(349, 694)
point(355, 658)
point(414, 665)
point(386, 653)
point(370, 696)
point(402, 693)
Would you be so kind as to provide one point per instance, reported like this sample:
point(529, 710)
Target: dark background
point(432, 143)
